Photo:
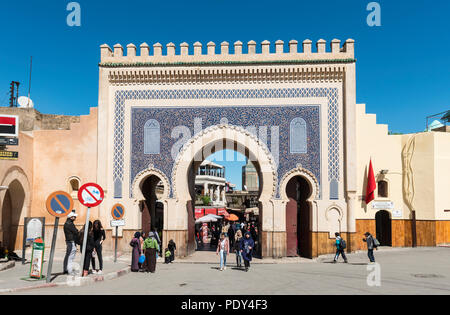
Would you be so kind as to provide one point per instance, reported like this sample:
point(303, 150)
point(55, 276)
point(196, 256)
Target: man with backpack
point(371, 244)
point(71, 234)
point(340, 246)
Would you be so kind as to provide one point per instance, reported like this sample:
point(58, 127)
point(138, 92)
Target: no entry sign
point(59, 204)
point(118, 211)
point(90, 195)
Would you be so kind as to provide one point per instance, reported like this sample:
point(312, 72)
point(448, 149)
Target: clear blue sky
point(233, 162)
point(403, 68)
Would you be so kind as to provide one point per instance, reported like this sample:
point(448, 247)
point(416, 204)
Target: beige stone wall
point(60, 155)
point(20, 171)
point(373, 142)
point(30, 119)
point(442, 175)
point(418, 176)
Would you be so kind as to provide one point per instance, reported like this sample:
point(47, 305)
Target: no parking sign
point(118, 211)
point(59, 204)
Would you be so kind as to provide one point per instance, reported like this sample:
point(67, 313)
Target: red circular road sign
point(91, 195)
point(59, 204)
point(118, 211)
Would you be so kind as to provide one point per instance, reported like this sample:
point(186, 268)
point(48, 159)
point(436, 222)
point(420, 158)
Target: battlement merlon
point(336, 54)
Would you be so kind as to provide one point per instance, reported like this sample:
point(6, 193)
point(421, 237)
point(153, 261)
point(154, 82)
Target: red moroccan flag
point(371, 185)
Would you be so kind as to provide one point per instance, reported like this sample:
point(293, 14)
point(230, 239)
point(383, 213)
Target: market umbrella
point(233, 217)
point(206, 219)
point(214, 216)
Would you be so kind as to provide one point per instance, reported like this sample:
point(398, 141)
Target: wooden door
point(291, 220)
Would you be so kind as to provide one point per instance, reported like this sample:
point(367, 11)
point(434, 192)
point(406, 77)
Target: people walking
point(99, 237)
point(71, 235)
point(136, 253)
point(151, 248)
point(231, 237)
point(340, 246)
point(371, 244)
point(237, 248)
point(90, 247)
point(158, 239)
point(247, 245)
point(172, 248)
point(223, 249)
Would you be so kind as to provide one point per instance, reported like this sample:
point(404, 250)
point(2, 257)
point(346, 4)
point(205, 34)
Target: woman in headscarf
point(151, 248)
point(136, 244)
point(247, 245)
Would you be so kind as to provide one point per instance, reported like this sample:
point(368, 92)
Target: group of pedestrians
point(341, 245)
point(146, 250)
point(95, 237)
point(243, 247)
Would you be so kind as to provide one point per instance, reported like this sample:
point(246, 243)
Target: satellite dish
point(25, 102)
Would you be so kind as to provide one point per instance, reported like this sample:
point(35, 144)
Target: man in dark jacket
point(370, 246)
point(71, 234)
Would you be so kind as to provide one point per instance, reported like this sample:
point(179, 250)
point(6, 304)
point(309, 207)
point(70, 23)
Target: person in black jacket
point(90, 246)
point(71, 234)
point(172, 247)
point(99, 237)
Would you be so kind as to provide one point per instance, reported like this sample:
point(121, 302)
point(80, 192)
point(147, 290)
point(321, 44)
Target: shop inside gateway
point(226, 201)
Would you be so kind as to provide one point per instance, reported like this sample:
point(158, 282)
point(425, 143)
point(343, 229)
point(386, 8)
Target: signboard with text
point(9, 126)
point(9, 155)
point(37, 259)
point(382, 205)
point(9, 141)
point(116, 223)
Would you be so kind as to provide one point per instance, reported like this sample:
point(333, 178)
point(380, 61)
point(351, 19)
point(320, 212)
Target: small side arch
point(140, 179)
point(310, 178)
point(334, 216)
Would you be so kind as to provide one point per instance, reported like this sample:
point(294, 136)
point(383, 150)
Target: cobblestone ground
point(404, 271)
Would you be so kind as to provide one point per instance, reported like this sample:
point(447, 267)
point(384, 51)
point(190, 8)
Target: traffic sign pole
point(59, 204)
point(52, 251)
point(89, 195)
point(86, 231)
point(115, 251)
point(117, 213)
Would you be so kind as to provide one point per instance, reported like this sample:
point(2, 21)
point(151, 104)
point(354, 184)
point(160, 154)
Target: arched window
point(334, 222)
point(334, 190)
point(383, 189)
point(152, 140)
point(74, 186)
point(298, 136)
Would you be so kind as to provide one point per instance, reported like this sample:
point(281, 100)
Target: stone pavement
point(14, 279)
point(205, 257)
point(402, 271)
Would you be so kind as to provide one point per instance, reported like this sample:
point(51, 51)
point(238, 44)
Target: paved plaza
point(403, 271)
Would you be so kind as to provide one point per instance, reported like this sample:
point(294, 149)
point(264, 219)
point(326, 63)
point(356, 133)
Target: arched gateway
point(285, 111)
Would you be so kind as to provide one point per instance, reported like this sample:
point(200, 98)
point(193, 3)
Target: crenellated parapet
point(265, 52)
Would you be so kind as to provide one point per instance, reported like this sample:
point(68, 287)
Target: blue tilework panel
point(121, 96)
point(243, 116)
